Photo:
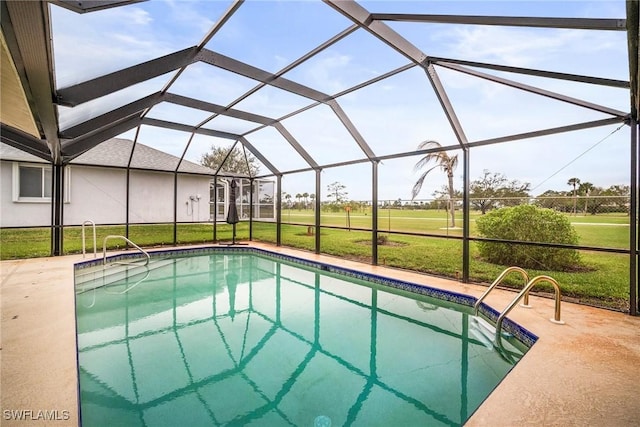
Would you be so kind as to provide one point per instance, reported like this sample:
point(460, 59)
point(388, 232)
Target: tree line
point(490, 191)
point(493, 190)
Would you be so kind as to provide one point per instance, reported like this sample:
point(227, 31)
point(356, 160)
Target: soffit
point(14, 107)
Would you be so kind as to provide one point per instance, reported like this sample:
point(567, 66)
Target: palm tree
point(574, 182)
point(287, 197)
point(443, 161)
point(305, 196)
point(585, 188)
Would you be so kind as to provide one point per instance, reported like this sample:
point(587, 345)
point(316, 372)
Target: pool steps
point(116, 236)
point(485, 331)
point(112, 273)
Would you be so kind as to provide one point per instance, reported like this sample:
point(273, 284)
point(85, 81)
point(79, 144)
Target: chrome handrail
point(104, 250)
point(496, 282)
point(558, 297)
point(95, 245)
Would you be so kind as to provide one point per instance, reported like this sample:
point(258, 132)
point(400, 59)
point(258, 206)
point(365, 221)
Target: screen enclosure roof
point(308, 85)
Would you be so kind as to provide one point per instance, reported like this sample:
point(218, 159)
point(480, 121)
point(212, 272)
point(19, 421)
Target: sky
point(394, 115)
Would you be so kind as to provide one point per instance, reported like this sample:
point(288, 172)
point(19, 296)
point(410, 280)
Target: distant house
point(96, 188)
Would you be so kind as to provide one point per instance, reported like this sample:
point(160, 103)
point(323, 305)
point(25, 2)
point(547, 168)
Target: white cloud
point(503, 45)
point(137, 16)
point(325, 72)
point(188, 13)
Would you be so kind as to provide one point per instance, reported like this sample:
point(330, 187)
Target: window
point(217, 201)
point(264, 202)
point(32, 183)
point(35, 182)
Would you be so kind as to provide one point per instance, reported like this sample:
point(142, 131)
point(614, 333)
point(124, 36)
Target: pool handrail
point(95, 245)
point(498, 280)
point(558, 297)
point(114, 236)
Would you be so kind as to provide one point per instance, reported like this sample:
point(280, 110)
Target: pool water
point(244, 339)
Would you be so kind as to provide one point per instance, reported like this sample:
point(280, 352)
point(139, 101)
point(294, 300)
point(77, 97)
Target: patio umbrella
point(232, 214)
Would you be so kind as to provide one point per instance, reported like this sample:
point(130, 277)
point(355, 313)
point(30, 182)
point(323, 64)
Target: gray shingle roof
point(115, 152)
point(8, 152)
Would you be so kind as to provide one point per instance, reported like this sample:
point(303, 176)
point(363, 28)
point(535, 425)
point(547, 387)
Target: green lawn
point(36, 242)
point(607, 230)
point(602, 281)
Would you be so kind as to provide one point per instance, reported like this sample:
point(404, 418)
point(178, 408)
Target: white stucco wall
point(99, 194)
point(96, 194)
point(152, 197)
point(193, 198)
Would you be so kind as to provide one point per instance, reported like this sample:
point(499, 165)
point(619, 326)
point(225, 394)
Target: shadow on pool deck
point(581, 373)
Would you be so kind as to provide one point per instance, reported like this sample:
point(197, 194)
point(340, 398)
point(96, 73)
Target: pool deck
point(585, 372)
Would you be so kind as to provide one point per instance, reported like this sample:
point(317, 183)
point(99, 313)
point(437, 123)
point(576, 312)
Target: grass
point(19, 243)
point(607, 230)
point(604, 282)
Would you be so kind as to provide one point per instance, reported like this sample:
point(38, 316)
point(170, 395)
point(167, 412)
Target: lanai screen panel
point(70, 117)
point(163, 140)
point(273, 102)
point(576, 51)
point(355, 59)
point(230, 124)
point(174, 113)
point(199, 145)
point(93, 44)
point(207, 83)
point(271, 35)
point(596, 155)
point(356, 183)
point(396, 178)
point(324, 136)
point(261, 35)
point(614, 96)
point(294, 188)
point(490, 110)
point(281, 153)
point(396, 114)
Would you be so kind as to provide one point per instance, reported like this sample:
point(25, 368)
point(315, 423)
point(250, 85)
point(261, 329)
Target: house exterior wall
point(151, 197)
point(96, 194)
point(193, 198)
point(99, 194)
point(153, 200)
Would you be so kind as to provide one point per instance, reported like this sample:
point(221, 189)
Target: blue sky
point(394, 115)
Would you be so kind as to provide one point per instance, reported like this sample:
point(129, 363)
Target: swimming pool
point(240, 336)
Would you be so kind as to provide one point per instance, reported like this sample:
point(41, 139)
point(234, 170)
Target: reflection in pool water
point(238, 339)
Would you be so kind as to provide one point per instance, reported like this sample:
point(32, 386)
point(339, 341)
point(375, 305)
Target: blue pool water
point(245, 339)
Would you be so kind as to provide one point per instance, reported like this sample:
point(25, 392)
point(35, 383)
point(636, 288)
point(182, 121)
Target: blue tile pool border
point(523, 335)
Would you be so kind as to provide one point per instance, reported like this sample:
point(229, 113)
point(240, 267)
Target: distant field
point(607, 230)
